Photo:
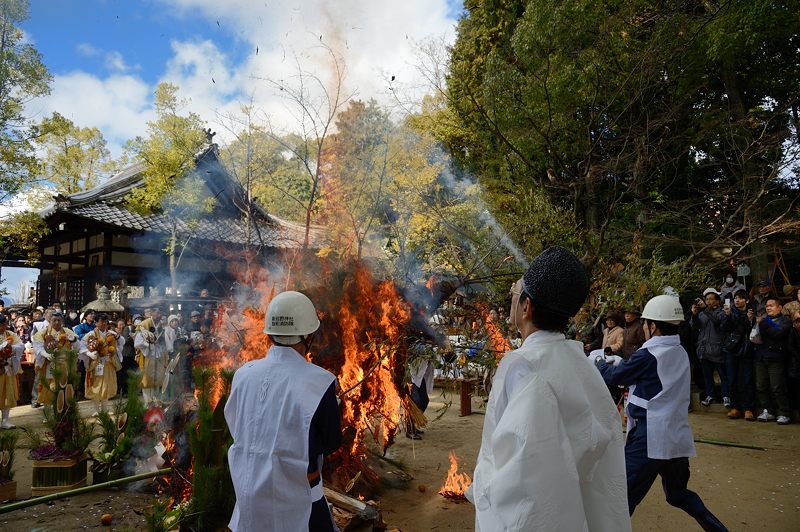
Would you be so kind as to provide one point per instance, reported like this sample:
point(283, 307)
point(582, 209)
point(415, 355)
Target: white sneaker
point(726, 401)
point(7, 425)
point(766, 416)
point(707, 401)
point(783, 420)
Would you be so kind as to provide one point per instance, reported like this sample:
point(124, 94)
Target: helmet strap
point(309, 339)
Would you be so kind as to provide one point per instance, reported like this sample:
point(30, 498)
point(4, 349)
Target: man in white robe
point(551, 454)
point(101, 353)
point(11, 349)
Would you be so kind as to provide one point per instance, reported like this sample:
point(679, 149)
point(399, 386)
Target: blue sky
point(107, 56)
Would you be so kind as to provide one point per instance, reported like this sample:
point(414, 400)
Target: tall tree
point(168, 153)
point(358, 170)
point(23, 76)
point(75, 157)
point(643, 116)
point(313, 104)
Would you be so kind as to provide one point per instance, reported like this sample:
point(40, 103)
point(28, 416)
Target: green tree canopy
point(23, 77)
point(168, 153)
point(676, 119)
point(75, 158)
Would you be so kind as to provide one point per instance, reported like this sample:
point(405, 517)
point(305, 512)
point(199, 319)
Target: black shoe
point(36, 405)
point(413, 435)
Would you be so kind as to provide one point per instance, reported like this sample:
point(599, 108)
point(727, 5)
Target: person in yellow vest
point(101, 352)
point(51, 345)
point(11, 348)
point(149, 340)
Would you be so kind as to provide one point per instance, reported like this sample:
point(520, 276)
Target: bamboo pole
point(78, 491)
point(725, 443)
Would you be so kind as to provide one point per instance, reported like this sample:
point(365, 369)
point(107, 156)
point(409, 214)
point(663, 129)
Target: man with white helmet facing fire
point(551, 453)
point(659, 437)
point(284, 418)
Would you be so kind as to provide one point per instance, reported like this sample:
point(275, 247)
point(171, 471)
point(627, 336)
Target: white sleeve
point(120, 345)
point(140, 343)
point(534, 469)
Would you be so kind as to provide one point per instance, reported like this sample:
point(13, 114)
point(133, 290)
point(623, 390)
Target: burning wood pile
point(363, 340)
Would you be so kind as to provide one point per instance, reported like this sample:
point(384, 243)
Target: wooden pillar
point(466, 397)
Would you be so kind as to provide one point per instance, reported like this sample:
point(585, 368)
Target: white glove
point(614, 360)
point(92, 354)
point(48, 356)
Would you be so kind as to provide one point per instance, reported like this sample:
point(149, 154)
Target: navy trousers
point(642, 472)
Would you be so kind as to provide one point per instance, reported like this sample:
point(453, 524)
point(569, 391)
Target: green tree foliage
point(267, 166)
point(75, 157)
point(677, 118)
point(23, 76)
point(168, 156)
point(358, 169)
point(20, 234)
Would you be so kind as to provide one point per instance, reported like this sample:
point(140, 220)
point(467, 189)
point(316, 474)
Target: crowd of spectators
point(744, 347)
point(196, 326)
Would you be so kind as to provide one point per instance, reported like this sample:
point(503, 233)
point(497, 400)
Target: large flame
point(362, 340)
point(456, 483)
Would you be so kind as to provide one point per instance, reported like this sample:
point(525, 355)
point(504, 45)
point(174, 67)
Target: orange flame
point(361, 341)
point(497, 340)
point(456, 483)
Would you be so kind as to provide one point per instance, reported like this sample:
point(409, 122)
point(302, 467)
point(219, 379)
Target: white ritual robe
point(552, 455)
point(269, 413)
point(422, 368)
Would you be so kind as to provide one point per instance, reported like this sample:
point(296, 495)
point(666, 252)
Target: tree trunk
point(173, 266)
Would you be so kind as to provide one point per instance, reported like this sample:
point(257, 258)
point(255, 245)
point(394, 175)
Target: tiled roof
point(105, 204)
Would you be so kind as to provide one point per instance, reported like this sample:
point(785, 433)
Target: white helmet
point(290, 317)
point(664, 308)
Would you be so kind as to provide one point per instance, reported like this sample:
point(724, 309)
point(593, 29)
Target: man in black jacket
point(770, 361)
point(709, 345)
point(738, 351)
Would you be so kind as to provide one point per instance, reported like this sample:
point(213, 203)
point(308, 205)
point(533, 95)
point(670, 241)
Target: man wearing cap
point(659, 439)
point(634, 333)
point(759, 302)
point(101, 354)
point(11, 349)
point(283, 415)
point(51, 345)
point(707, 322)
point(551, 453)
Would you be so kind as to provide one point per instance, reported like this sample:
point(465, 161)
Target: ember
point(456, 483)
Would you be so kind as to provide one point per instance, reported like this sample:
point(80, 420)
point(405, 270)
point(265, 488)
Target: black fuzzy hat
point(557, 281)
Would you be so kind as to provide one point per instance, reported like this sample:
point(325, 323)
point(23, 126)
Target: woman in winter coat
point(614, 335)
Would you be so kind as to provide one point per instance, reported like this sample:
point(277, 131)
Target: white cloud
point(87, 49)
point(115, 62)
point(376, 40)
point(119, 105)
